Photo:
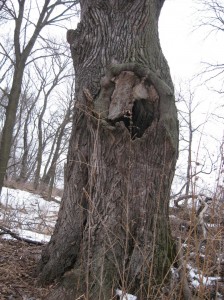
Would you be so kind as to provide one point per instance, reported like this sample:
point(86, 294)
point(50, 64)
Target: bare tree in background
point(26, 33)
point(43, 83)
point(194, 159)
point(61, 136)
point(28, 136)
point(2, 3)
point(51, 76)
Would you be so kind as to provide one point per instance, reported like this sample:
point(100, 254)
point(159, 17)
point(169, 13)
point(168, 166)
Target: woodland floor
point(17, 267)
point(203, 260)
point(17, 274)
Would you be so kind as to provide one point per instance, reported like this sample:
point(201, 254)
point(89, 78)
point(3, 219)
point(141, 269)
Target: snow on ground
point(124, 296)
point(32, 217)
point(27, 214)
point(197, 279)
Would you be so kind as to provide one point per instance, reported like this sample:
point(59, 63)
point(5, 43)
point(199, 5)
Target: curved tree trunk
point(113, 230)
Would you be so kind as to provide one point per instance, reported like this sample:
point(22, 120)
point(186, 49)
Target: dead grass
point(204, 255)
point(18, 261)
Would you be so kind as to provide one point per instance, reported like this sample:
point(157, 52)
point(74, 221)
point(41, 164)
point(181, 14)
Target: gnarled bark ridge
point(112, 230)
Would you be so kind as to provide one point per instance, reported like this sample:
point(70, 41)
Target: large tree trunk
point(113, 230)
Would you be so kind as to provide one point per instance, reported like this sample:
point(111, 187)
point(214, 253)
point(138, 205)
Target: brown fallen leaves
point(17, 266)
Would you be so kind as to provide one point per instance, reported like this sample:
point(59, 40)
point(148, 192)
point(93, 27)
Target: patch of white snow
point(27, 214)
point(125, 296)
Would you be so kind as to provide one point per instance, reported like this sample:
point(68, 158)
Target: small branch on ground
point(4, 230)
point(187, 197)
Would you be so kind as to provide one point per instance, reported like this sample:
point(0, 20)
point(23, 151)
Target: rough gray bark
point(113, 230)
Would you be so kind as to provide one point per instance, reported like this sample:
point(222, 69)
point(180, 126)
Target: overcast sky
point(185, 47)
point(184, 44)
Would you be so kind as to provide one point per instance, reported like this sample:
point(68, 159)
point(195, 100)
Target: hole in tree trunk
point(139, 119)
point(142, 117)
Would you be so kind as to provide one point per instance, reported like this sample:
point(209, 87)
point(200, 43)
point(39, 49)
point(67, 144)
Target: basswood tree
point(113, 228)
